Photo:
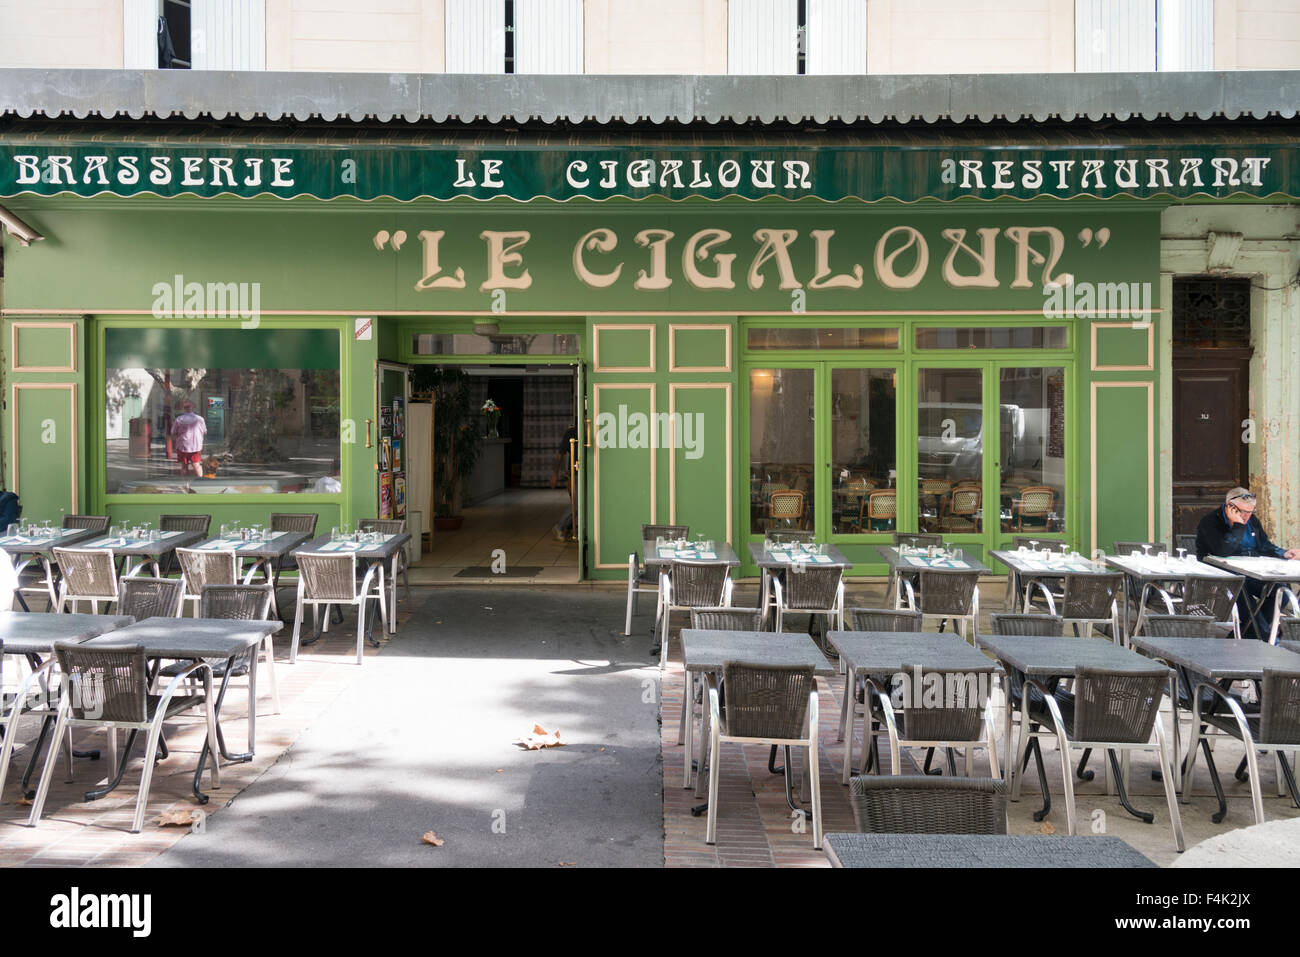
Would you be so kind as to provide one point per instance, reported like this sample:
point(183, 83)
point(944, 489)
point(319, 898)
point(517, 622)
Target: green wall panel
point(621, 474)
point(45, 346)
point(45, 449)
point(625, 349)
point(1123, 434)
point(1123, 346)
point(700, 460)
point(700, 348)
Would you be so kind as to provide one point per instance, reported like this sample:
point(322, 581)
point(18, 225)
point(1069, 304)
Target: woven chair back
point(698, 584)
point(143, 598)
point(185, 523)
point(294, 522)
point(207, 567)
point(108, 682)
point(883, 619)
point(1280, 707)
point(727, 619)
point(98, 523)
point(912, 804)
point(812, 587)
point(1090, 596)
point(1009, 624)
point(330, 576)
point(1117, 706)
point(947, 592)
point(88, 572)
point(942, 705)
point(766, 701)
point(1179, 626)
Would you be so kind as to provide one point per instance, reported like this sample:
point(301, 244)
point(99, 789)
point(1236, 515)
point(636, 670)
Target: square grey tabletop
point(279, 544)
point(1259, 568)
point(705, 650)
point(1051, 656)
point(1149, 568)
point(722, 553)
point(133, 546)
point(980, 850)
point(34, 633)
point(886, 652)
point(958, 560)
point(67, 538)
point(1030, 565)
point(322, 545)
point(1218, 659)
point(791, 555)
point(192, 637)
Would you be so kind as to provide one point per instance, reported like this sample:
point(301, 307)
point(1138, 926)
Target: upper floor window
point(796, 37)
point(1143, 35)
point(514, 36)
point(194, 34)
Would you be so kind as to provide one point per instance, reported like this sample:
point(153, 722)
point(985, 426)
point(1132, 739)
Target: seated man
point(1234, 530)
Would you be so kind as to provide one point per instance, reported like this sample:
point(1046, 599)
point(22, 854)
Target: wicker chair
point(1114, 710)
point(936, 491)
point(304, 522)
point(1288, 629)
point(200, 567)
point(185, 523)
point(1206, 596)
point(391, 526)
point(640, 577)
point(963, 718)
point(143, 598)
point(1085, 600)
point(1275, 727)
point(1180, 626)
point(96, 523)
point(237, 603)
point(1032, 508)
point(86, 574)
point(1285, 602)
point(36, 695)
point(962, 513)
point(332, 580)
point(1185, 541)
point(1134, 548)
point(879, 511)
point(109, 686)
point(690, 584)
point(946, 593)
point(917, 539)
point(786, 506)
point(1014, 684)
point(813, 591)
point(919, 804)
point(766, 704)
point(714, 619)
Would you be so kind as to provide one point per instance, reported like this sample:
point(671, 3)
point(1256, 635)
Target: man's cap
point(1239, 493)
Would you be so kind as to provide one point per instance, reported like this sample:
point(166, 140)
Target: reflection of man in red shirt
point(188, 432)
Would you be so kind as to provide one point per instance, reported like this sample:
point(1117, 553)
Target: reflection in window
point(472, 344)
point(1033, 450)
point(781, 411)
point(994, 337)
point(863, 413)
point(807, 337)
point(950, 450)
point(269, 428)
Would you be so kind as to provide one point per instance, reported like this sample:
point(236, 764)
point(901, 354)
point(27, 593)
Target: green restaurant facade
point(835, 318)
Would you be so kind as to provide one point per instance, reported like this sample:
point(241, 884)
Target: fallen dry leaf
point(182, 818)
point(25, 802)
point(568, 863)
point(1046, 828)
point(540, 738)
point(431, 838)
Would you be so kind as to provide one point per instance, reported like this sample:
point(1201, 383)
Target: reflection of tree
point(259, 395)
point(117, 389)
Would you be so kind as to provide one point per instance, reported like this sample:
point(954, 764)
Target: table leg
point(392, 596)
point(688, 734)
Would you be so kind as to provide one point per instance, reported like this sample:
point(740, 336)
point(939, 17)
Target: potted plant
point(456, 439)
point(492, 412)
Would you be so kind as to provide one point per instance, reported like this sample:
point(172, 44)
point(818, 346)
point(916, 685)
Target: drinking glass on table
point(334, 534)
point(14, 530)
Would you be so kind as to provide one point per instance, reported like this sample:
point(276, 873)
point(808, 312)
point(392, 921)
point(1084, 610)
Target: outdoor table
point(1269, 572)
point(917, 560)
point(1030, 566)
point(979, 850)
point(387, 551)
point(868, 653)
point(795, 555)
point(1218, 660)
point(1144, 569)
point(707, 652)
point(265, 554)
point(658, 558)
point(150, 551)
point(1049, 659)
point(191, 639)
point(41, 548)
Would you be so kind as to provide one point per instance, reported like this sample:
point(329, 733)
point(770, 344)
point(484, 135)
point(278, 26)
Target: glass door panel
point(863, 410)
point(950, 450)
point(782, 404)
point(1032, 442)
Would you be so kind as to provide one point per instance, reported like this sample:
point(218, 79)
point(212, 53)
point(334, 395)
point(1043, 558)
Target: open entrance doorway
point(518, 504)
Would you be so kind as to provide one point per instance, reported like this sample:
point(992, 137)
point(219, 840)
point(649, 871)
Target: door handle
point(588, 420)
point(573, 454)
point(369, 444)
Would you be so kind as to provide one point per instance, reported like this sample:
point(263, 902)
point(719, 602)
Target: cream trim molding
point(672, 347)
point(595, 347)
point(72, 345)
point(1150, 328)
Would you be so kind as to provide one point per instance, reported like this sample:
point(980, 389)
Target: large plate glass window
point(782, 404)
point(950, 450)
point(863, 406)
point(1032, 449)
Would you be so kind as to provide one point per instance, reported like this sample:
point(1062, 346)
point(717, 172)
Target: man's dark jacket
point(1214, 536)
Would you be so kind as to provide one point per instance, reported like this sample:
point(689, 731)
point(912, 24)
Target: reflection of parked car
point(950, 438)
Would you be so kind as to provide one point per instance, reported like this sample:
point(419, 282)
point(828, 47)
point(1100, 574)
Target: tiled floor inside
point(518, 521)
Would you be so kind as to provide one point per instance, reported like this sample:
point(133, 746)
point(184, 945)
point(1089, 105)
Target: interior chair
point(962, 513)
point(879, 511)
point(1112, 710)
point(109, 687)
point(765, 704)
point(1032, 508)
point(643, 578)
point(785, 509)
point(96, 523)
point(946, 593)
point(686, 584)
point(1086, 601)
point(331, 579)
point(920, 804)
point(86, 574)
point(936, 491)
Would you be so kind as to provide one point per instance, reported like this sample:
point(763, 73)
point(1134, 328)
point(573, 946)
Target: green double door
point(854, 451)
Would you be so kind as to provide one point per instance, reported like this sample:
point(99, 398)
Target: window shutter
point(1185, 32)
point(476, 36)
point(548, 36)
point(837, 37)
point(1114, 36)
point(762, 37)
point(139, 35)
point(228, 34)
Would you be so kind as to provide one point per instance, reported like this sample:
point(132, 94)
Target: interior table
point(779, 559)
point(1048, 660)
point(1221, 661)
point(264, 555)
point(707, 652)
point(41, 548)
point(1268, 572)
point(917, 559)
point(1036, 566)
point(387, 552)
point(31, 635)
point(150, 551)
point(880, 653)
point(1147, 569)
point(980, 850)
point(191, 639)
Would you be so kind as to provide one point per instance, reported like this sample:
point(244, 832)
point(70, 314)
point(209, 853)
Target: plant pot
point(449, 523)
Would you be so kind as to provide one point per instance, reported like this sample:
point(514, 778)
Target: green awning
point(948, 166)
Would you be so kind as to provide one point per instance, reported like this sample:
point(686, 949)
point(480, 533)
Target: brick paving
point(77, 833)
